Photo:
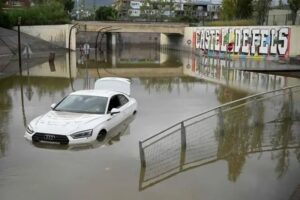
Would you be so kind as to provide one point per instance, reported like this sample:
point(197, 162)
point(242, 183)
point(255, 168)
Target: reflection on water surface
point(270, 123)
point(169, 87)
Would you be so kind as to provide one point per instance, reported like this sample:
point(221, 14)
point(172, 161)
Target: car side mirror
point(53, 106)
point(114, 111)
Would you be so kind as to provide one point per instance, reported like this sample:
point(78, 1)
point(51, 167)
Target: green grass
point(37, 15)
point(244, 22)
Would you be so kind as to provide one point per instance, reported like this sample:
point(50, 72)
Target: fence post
point(183, 136)
point(19, 46)
point(291, 104)
point(255, 112)
point(183, 146)
point(142, 155)
point(221, 121)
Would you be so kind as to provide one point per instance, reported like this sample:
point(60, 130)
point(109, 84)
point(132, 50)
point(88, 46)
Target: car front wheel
point(101, 135)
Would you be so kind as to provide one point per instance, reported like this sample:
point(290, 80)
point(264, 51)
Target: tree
point(280, 4)
point(1, 5)
point(188, 13)
point(4, 20)
point(106, 13)
point(26, 3)
point(236, 9)
point(147, 9)
point(228, 9)
point(244, 9)
point(161, 8)
point(262, 9)
point(158, 9)
point(68, 5)
point(188, 9)
point(294, 6)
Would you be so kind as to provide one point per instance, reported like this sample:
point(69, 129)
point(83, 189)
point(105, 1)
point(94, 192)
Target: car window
point(114, 103)
point(83, 104)
point(123, 100)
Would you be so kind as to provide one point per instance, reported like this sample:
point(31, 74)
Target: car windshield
point(83, 104)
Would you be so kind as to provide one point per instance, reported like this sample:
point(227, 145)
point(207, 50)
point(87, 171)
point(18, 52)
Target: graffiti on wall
point(244, 40)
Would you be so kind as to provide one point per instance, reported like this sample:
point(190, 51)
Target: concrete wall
point(295, 41)
point(247, 40)
point(55, 34)
point(136, 27)
point(61, 68)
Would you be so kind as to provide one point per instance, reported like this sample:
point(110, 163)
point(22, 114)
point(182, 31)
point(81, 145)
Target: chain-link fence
point(280, 18)
point(258, 123)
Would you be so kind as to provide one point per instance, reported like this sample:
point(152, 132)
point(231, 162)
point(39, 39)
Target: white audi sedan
point(85, 116)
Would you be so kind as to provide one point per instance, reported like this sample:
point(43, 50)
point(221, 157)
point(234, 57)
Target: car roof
point(101, 93)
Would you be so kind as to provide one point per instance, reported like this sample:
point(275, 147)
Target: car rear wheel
point(101, 135)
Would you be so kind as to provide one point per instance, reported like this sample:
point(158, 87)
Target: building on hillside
point(281, 14)
point(124, 6)
point(163, 9)
point(282, 17)
point(198, 8)
point(81, 11)
point(128, 9)
point(135, 8)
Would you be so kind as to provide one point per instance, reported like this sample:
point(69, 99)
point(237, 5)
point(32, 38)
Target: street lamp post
point(99, 31)
point(19, 45)
point(70, 32)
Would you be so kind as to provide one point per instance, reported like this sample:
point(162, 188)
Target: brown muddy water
point(169, 87)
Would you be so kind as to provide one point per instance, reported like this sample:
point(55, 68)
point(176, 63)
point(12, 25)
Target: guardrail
point(243, 126)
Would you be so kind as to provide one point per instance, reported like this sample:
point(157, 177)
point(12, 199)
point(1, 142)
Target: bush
point(242, 22)
point(39, 15)
point(106, 13)
point(4, 20)
point(188, 19)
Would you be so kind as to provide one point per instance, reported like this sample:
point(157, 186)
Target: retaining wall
point(245, 40)
point(55, 34)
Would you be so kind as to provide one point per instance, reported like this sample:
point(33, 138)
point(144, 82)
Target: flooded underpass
point(169, 87)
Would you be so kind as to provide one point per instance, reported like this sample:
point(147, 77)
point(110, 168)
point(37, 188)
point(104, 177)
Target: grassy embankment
point(52, 13)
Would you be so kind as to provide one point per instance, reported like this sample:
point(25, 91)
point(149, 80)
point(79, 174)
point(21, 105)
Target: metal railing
point(247, 125)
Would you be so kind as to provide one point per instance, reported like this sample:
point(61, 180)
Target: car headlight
point(29, 129)
point(82, 134)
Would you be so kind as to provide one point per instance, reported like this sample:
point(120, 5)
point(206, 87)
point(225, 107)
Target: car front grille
point(50, 138)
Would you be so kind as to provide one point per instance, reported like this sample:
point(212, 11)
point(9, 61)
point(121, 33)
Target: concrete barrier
point(262, 41)
point(134, 27)
point(55, 34)
point(272, 41)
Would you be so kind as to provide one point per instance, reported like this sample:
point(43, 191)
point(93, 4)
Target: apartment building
point(147, 9)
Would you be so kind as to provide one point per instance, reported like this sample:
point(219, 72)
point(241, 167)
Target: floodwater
point(169, 87)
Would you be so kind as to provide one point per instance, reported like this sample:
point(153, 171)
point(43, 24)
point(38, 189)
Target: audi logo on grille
point(49, 137)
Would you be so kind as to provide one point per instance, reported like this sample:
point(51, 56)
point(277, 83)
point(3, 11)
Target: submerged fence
point(257, 123)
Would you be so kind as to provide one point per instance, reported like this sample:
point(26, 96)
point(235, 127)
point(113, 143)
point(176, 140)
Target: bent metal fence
point(257, 123)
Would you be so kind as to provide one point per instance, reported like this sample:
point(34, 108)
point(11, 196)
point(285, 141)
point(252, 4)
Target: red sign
point(230, 47)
